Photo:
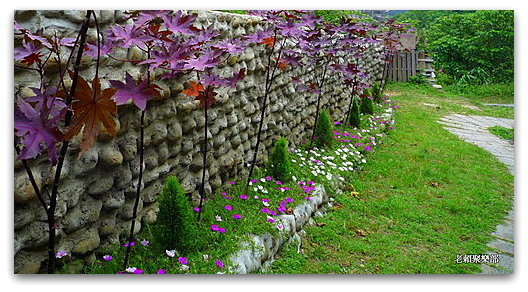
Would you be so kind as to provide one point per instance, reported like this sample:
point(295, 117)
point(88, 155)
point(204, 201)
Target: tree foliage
point(472, 46)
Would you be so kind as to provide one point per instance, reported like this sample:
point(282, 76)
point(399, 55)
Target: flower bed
point(244, 229)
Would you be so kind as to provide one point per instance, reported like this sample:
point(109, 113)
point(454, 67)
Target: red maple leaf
point(270, 42)
point(93, 109)
point(206, 97)
point(194, 90)
point(281, 64)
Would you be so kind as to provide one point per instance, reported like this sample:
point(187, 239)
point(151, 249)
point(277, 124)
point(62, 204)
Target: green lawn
point(425, 196)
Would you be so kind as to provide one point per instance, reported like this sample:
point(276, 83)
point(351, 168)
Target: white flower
point(218, 218)
point(184, 267)
point(131, 269)
point(205, 257)
point(170, 253)
point(265, 203)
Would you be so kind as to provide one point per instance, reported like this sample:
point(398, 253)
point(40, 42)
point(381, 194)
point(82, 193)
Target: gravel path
point(474, 129)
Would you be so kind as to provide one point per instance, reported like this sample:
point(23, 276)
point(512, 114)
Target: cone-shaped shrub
point(354, 114)
point(176, 225)
point(376, 92)
point(279, 164)
point(367, 105)
point(323, 130)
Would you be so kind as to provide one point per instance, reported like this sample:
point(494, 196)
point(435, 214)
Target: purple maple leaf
point(91, 49)
point(180, 24)
point(140, 92)
point(213, 80)
point(128, 36)
point(208, 59)
point(290, 29)
point(35, 127)
point(230, 46)
point(27, 49)
point(237, 76)
point(204, 36)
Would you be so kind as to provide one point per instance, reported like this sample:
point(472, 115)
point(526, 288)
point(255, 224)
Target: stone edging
point(260, 250)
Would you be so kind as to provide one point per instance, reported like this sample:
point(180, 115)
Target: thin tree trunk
point(50, 212)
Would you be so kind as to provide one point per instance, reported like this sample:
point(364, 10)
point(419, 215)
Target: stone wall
point(97, 190)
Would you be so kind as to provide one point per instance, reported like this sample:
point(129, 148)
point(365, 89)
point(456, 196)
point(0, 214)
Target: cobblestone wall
point(97, 190)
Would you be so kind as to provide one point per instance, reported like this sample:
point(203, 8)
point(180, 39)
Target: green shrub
point(279, 165)
point(418, 79)
point(367, 106)
point(354, 118)
point(323, 130)
point(376, 92)
point(176, 224)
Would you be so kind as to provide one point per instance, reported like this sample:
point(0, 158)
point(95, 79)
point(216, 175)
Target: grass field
point(425, 196)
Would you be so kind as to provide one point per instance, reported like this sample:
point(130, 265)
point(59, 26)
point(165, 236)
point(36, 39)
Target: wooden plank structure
point(407, 64)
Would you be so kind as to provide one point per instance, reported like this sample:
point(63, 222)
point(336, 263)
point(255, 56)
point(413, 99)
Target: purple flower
point(196, 209)
point(228, 207)
point(368, 148)
point(161, 271)
point(138, 271)
point(61, 253)
point(270, 219)
point(268, 178)
point(107, 257)
point(280, 226)
point(219, 263)
point(144, 242)
point(264, 210)
point(183, 260)
point(221, 230)
point(289, 200)
point(129, 244)
point(237, 216)
point(214, 227)
point(231, 182)
point(243, 197)
point(279, 182)
point(358, 144)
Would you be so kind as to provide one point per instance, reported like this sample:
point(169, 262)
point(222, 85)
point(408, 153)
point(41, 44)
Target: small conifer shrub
point(176, 224)
point(354, 118)
point(323, 130)
point(376, 92)
point(367, 105)
point(279, 163)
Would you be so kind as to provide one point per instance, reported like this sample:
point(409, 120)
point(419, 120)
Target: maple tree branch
point(53, 198)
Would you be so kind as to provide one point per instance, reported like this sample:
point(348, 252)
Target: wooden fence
point(407, 64)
